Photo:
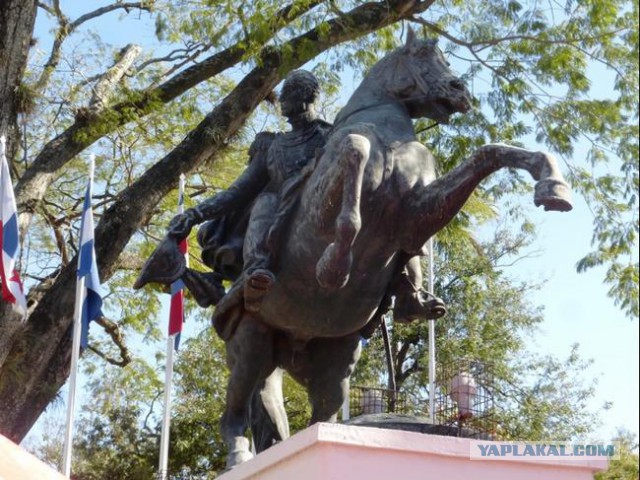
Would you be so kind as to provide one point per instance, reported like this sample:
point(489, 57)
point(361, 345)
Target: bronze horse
point(372, 198)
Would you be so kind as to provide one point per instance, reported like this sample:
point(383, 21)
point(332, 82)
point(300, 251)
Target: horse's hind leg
point(269, 422)
point(331, 363)
point(250, 361)
point(334, 266)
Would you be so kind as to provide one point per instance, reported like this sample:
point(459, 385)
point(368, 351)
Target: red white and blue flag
point(11, 284)
point(176, 309)
point(87, 266)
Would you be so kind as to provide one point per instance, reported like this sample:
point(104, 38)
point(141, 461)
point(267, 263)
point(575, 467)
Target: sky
point(576, 307)
point(577, 310)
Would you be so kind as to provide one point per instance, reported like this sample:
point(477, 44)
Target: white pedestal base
point(342, 452)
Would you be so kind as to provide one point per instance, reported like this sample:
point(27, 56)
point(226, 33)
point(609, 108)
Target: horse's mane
point(391, 59)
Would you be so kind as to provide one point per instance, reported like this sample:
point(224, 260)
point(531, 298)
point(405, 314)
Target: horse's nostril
point(457, 84)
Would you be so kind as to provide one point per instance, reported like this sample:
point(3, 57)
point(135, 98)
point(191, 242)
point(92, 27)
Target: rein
point(428, 127)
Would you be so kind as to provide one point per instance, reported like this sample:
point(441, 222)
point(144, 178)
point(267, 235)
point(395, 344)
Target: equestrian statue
point(336, 217)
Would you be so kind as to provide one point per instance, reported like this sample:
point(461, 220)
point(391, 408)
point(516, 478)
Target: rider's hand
point(180, 226)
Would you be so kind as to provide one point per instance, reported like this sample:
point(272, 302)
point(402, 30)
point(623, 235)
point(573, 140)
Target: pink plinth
point(342, 452)
point(18, 464)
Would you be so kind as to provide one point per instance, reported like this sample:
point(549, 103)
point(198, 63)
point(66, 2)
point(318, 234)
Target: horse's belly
point(308, 311)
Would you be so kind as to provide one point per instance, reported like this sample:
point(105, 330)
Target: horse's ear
point(411, 37)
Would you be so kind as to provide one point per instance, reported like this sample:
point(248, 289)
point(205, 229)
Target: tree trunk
point(37, 360)
point(17, 18)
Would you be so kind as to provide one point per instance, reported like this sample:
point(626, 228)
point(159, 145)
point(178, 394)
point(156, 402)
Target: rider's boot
point(206, 287)
point(256, 285)
point(419, 305)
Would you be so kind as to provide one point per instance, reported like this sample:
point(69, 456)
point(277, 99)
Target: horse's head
point(419, 76)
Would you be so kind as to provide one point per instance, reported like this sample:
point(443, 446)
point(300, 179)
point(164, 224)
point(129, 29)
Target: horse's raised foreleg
point(434, 205)
point(250, 361)
point(334, 266)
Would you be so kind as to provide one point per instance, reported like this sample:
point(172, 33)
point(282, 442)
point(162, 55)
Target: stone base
point(345, 452)
point(18, 464)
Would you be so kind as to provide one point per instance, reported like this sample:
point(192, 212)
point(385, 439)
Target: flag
point(11, 284)
point(87, 266)
point(176, 309)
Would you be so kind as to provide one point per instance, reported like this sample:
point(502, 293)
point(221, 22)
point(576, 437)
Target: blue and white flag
point(11, 285)
point(87, 266)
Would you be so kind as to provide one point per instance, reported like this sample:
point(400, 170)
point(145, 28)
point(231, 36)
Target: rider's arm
point(239, 195)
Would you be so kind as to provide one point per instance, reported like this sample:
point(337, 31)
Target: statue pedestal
point(337, 452)
point(16, 463)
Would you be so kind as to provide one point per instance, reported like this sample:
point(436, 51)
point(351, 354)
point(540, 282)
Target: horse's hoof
point(436, 309)
point(237, 457)
point(553, 195)
point(332, 270)
point(422, 306)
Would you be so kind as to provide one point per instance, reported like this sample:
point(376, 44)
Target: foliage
point(116, 437)
point(626, 467)
point(542, 63)
point(489, 321)
point(120, 427)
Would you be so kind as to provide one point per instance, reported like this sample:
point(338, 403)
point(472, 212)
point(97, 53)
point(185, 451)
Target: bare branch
point(47, 8)
point(107, 83)
point(66, 28)
point(145, 423)
point(56, 8)
point(147, 6)
point(57, 234)
point(114, 332)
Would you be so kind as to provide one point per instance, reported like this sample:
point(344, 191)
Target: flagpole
point(432, 340)
point(75, 354)
point(168, 377)
point(166, 417)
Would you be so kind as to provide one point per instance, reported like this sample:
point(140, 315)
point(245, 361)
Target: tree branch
point(57, 234)
point(403, 375)
point(107, 83)
point(114, 332)
point(126, 6)
point(56, 153)
point(66, 28)
point(47, 8)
